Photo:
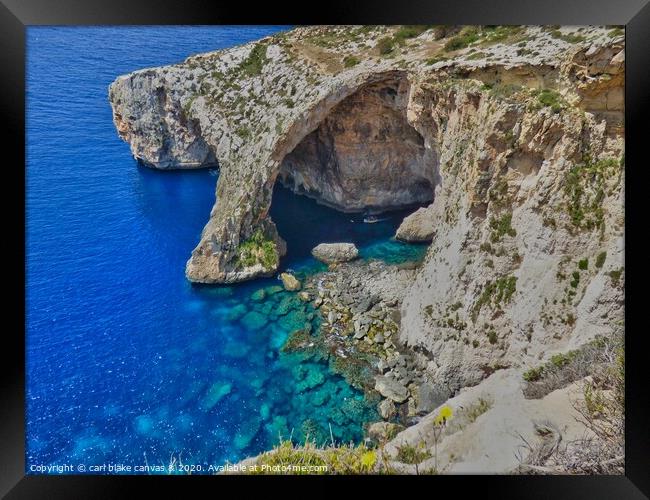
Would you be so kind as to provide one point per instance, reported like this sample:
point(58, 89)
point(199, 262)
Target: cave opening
point(364, 156)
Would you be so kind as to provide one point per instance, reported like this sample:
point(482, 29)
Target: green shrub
point(576, 279)
point(584, 186)
point(411, 31)
point(258, 249)
point(492, 337)
point(253, 64)
point(534, 374)
point(560, 360)
point(477, 409)
point(467, 36)
point(243, 132)
point(567, 37)
point(551, 98)
point(600, 260)
point(344, 459)
point(583, 264)
point(503, 90)
point(493, 34)
point(501, 226)
point(435, 59)
point(385, 45)
point(409, 454)
point(350, 61)
point(563, 369)
point(616, 275)
point(476, 55)
point(500, 291)
point(486, 247)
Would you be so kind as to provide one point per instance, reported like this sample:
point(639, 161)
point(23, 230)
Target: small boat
point(371, 219)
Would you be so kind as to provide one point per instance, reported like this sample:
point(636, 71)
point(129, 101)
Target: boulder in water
point(331, 253)
point(290, 282)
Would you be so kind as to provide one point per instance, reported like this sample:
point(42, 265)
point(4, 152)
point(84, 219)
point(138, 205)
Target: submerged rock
point(258, 295)
point(331, 253)
point(308, 377)
point(236, 312)
point(290, 282)
point(254, 320)
point(215, 393)
point(246, 433)
point(272, 290)
point(391, 388)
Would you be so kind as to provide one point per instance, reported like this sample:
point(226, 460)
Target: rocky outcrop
point(147, 113)
point(417, 227)
point(332, 253)
point(391, 389)
point(290, 282)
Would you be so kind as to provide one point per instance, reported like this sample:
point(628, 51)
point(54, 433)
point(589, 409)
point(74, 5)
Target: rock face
point(290, 282)
point(387, 409)
point(383, 431)
point(331, 253)
point(417, 227)
point(391, 389)
point(364, 154)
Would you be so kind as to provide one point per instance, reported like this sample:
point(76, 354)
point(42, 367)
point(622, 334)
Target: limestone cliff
point(329, 111)
point(514, 134)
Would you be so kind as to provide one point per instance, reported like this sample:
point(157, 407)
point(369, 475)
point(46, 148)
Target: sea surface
point(127, 362)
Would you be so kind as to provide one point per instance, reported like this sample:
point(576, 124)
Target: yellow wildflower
point(445, 414)
point(368, 459)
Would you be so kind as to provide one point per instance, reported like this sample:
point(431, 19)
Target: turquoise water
point(127, 362)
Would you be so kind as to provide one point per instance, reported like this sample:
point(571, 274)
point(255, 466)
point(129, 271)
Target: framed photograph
point(386, 244)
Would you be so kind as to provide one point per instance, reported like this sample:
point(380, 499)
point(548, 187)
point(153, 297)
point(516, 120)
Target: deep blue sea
point(127, 362)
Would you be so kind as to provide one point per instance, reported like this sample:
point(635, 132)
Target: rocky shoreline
point(359, 305)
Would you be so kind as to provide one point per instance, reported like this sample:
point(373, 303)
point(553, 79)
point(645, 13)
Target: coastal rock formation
point(417, 227)
point(290, 282)
point(335, 113)
point(331, 253)
point(512, 136)
point(364, 155)
point(391, 389)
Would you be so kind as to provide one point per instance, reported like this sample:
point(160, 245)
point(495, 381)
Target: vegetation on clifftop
point(288, 458)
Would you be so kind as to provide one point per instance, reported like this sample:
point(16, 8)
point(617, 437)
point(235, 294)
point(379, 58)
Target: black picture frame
point(16, 15)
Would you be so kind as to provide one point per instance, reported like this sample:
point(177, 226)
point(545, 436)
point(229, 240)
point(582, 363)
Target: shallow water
point(127, 362)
